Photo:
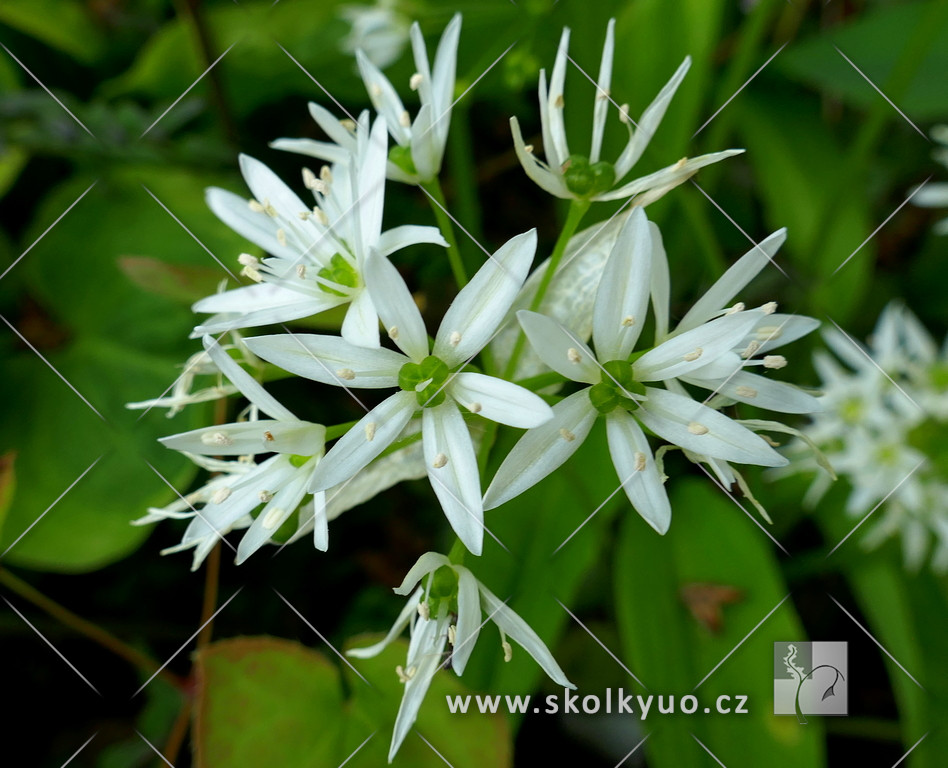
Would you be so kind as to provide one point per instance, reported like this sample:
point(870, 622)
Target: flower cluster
point(577, 320)
point(882, 428)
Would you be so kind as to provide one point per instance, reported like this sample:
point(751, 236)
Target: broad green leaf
point(62, 24)
point(266, 701)
point(874, 41)
point(473, 740)
point(712, 544)
point(182, 283)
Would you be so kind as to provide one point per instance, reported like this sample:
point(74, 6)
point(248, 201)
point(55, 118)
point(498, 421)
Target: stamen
point(272, 518)
point(452, 634)
point(739, 307)
point(558, 102)
point(475, 407)
point(768, 332)
point(639, 461)
point(603, 93)
point(628, 321)
point(348, 124)
point(770, 307)
point(508, 651)
point(320, 215)
point(269, 209)
point(528, 149)
point(404, 675)
point(375, 90)
point(424, 611)
point(624, 113)
point(322, 187)
point(248, 261)
point(774, 361)
point(252, 273)
point(771, 441)
point(744, 391)
point(255, 206)
point(415, 81)
point(216, 438)
point(370, 431)
point(304, 215)
point(573, 354)
point(751, 349)
point(325, 173)
point(454, 339)
point(265, 497)
point(567, 435)
point(309, 179)
point(220, 495)
point(393, 332)
point(697, 429)
point(346, 373)
point(404, 119)
point(268, 436)
point(692, 356)
point(281, 237)
point(301, 271)
point(439, 461)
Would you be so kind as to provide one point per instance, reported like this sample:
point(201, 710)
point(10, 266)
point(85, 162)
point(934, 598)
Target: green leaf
point(61, 24)
point(710, 543)
point(874, 41)
point(266, 701)
point(182, 283)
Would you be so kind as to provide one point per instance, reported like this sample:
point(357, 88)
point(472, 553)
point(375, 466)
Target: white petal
point(667, 178)
point(602, 102)
point(323, 150)
point(763, 392)
point(330, 360)
point(397, 238)
point(555, 113)
point(427, 563)
point(360, 326)
point(354, 450)
point(740, 273)
point(695, 348)
point(469, 619)
point(371, 186)
point(396, 307)
point(540, 175)
point(287, 499)
point(660, 284)
point(622, 299)
point(401, 623)
point(258, 228)
point(481, 306)
point(248, 438)
point(304, 306)
point(320, 521)
point(334, 129)
point(676, 418)
point(456, 482)
point(443, 76)
point(791, 328)
point(649, 121)
point(560, 348)
point(499, 400)
point(249, 387)
point(249, 298)
point(266, 185)
point(543, 449)
point(426, 150)
point(638, 473)
point(384, 98)
point(519, 630)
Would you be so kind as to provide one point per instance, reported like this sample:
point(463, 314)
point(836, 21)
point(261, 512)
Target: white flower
point(883, 427)
point(447, 611)
point(616, 388)
point(318, 254)
point(936, 195)
point(419, 143)
point(279, 483)
point(432, 381)
point(379, 30)
point(570, 175)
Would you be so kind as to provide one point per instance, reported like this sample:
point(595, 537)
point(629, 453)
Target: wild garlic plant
point(546, 351)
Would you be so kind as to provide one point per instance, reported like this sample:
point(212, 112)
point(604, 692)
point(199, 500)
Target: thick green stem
point(446, 224)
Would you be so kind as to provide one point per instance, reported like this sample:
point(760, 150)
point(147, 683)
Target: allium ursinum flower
point(447, 612)
point(380, 31)
point(616, 388)
point(430, 380)
point(581, 177)
point(279, 483)
point(318, 252)
point(419, 143)
point(883, 427)
point(936, 195)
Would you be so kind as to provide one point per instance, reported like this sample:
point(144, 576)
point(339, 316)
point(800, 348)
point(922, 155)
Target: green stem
point(84, 627)
point(457, 553)
point(446, 225)
point(464, 170)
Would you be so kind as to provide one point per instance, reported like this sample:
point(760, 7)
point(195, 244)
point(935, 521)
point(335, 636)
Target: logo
point(810, 679)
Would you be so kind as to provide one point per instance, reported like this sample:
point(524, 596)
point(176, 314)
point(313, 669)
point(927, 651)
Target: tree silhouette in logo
point(802, 676)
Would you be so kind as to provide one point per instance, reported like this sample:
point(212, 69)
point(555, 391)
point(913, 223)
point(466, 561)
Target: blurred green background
point(109, 134)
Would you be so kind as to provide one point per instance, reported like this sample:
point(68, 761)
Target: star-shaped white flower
point(447, 611)
point(574, 176)
point(419, 143)
point(318, 253)
point(431, 380)
point(279, 483)
point(380, 30)
point(617, 388)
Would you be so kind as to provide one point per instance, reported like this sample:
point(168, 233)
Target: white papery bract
point(380, 31)
point(883, 428)
point(430, 379)
point(419, 142)
point(318, 253)
point(936, 195)
point(445, 614)
point(588, 177)
point(617, 387)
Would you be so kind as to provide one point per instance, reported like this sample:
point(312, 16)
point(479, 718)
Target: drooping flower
point(448, 611)
point(616, 388)
point(570, 175)
point(317, 253)
point(429, 379)
point(882, 428)
point(936, 195)
point(419, 142)
point(379, 30)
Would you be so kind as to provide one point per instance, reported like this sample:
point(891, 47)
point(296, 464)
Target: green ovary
point(341, 272)
point(585, 179)
point(618, 382)
point(426, 379)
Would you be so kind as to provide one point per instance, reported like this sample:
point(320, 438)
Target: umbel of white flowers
point(447, 612)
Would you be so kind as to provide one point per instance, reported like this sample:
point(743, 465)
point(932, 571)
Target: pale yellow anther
point(573, 355)
point(774, 361)
point(751, 349)
point(393, 332)
point(415, 82)
point(346, 373)
point(628, 321)
point(692, 356)
point(301, 271)
point(475, 407)
point(697, 429)
point(770, 307)
point(404, 675)
point(255, 206)
point(624, 113)
point(639, 461)
point(454, 339)
point(281, 237)
point(322, 187)
point(602, 94)
point(528, 149)
point(375, 90)
point(770, 441)
point(309, 179)
point(320, 215)
point(220, 495)
point(745, 391)
point(348, 124)
point(567, 435)
point(269, 209)
point(439, 461)
point(304, 215)
point(508, 651)
point(265, 497)
point(216, 438)
point(272, 519)
point(768, 332)
point(252, 273)
point(452, 634)
point(681, 163)
point(247, 260)
point(268, 436)
point(404, 119)
point(370, 431)
point(559, 102)
point(424, 611)
point(739, 307)
point(325, 173)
